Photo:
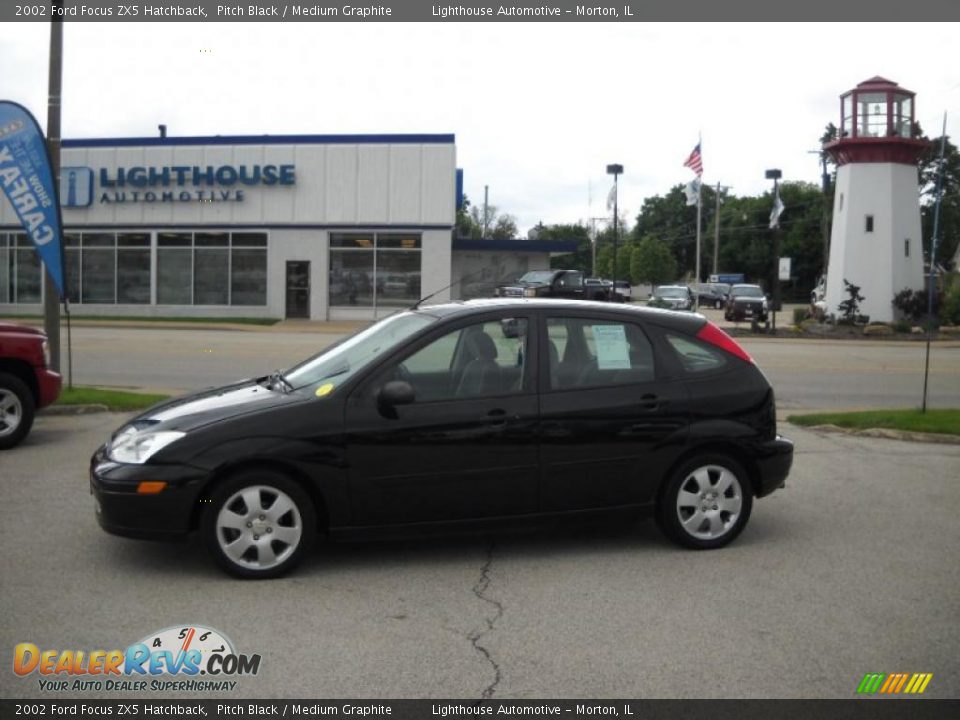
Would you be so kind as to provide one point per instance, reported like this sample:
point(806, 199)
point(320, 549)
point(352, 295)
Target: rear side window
point(592, 352)
point(695, 355)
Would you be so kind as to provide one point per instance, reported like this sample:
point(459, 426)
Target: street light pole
point(775, 175)
point(615, 170)
point(51, 296)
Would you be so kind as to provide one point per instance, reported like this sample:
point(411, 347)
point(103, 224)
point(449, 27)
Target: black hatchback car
point(467, 413)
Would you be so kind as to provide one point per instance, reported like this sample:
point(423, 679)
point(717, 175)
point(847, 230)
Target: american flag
point(695, 161)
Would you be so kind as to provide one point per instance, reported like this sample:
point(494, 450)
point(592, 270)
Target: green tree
point(652, 262)
point(580, 259)
point(504, 228)
point(471, 221)
point(949, 229)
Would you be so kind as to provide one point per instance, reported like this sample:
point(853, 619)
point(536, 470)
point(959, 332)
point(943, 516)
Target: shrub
point(849, 308)
point(902, 326)
point(913, 303)
point(950, 312)
point(800, 314)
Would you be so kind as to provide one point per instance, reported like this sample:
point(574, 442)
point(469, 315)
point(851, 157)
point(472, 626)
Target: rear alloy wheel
point(16, 410)
point(259, 524)
point(706, 503)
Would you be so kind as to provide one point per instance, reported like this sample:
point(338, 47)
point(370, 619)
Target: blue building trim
point(547, 246)
point(235, 227)
point(436, 139)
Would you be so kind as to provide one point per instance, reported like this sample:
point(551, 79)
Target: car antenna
point(434, 294)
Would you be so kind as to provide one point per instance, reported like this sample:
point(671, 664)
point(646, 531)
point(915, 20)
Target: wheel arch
point(225, 471)
point(713, 447)
point(23, 371)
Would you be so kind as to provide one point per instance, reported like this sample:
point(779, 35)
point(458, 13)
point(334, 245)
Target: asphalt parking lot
point(851, 569)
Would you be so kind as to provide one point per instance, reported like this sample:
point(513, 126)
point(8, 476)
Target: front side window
point(594, 352)
point(347, 357)
point(481, 360)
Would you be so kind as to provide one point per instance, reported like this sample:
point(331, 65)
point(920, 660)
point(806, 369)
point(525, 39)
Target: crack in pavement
point(480, 590)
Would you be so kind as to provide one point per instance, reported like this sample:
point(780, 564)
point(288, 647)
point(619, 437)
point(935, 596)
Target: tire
point(247, 533)
point(16, 410)
point(696, 512)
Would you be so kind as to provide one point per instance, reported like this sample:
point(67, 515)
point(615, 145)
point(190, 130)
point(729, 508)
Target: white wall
point(875, 260)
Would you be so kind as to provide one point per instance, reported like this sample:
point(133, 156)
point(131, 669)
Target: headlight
point(530, 292)
point(132, 446)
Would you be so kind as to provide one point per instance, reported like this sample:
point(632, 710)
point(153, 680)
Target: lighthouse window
point(869, 223)
point(872, 114)
point(906, 247)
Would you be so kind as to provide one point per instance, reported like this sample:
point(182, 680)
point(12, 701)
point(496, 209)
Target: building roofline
point(157, 141)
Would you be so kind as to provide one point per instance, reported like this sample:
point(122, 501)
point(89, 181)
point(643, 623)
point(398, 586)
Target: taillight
point(715, 336)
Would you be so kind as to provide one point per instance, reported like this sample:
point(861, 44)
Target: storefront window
point(248, 277)
point(351, 269)
point(174, 269)
point(26, 272)
point(6, 285)
point(133, 268)
point(211, 269)
point(369, 269)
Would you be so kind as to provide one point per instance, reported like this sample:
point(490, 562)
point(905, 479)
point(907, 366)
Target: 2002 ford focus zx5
point(467, 413)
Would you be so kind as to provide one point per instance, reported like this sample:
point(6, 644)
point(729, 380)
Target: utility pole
point(615, 170)
point(51, 296)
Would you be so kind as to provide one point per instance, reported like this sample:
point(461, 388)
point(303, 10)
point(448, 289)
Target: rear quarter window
point(695, 356)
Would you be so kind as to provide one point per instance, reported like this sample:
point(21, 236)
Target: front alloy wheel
point(259, 524)
point(706, 503)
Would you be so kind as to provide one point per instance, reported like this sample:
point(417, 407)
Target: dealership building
point(327, 227)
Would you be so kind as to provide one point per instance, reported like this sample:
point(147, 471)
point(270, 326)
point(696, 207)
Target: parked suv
point(570, 284)
point(26, 382)
point(746, 302)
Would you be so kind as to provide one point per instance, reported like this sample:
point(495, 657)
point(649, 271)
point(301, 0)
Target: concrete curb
point(74, 409)
point(888, 434)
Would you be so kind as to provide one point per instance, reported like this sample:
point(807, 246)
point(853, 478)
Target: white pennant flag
point(777, 210)
point(692, 191)
point(612, 197)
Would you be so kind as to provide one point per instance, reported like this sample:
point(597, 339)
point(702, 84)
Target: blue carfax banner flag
point(27, 180)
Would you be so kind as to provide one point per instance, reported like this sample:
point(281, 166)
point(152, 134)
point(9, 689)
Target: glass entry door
point(298, 289)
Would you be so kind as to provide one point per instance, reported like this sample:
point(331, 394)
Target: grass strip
point(113, 399)
point(932, 421)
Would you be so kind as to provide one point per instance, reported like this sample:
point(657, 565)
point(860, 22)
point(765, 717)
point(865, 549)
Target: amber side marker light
point(715, 336)
point(150, 487)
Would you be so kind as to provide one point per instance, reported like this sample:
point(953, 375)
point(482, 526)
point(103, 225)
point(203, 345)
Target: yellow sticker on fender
point(324, 389)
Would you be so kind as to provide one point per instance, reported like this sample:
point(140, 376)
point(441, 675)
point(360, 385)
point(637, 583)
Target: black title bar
point(246, 709)
point(473, 11)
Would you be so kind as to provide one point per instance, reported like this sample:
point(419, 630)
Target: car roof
point(686, 321)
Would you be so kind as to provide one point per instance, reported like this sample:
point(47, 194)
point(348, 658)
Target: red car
point(26, 382)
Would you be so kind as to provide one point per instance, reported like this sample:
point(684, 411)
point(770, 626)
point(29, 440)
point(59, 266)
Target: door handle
point(650, 401)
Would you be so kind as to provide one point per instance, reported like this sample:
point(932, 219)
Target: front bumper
point(743, 312)
point(122, 511)
point(49, 384)
point(773, 460)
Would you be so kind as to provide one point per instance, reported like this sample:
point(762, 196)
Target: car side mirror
point(395, 392)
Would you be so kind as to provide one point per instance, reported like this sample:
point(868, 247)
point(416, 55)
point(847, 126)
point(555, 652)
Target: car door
point(466, 446)
point(611, 419)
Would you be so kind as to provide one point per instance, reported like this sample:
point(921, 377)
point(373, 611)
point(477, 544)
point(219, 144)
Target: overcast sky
point(538, 110)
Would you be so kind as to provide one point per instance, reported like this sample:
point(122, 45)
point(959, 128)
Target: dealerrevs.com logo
point(183, 653)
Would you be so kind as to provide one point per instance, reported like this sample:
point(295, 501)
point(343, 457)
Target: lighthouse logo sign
point(76, 186)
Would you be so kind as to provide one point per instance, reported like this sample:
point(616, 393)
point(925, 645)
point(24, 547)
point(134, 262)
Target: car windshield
point(747, 291)
point(357, 351)
point(672, 292)
point(537, 276)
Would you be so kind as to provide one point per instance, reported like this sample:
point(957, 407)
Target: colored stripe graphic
point(894, 683)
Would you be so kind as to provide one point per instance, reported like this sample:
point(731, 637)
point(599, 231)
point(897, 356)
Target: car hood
point(20, 329)
point(193, 411)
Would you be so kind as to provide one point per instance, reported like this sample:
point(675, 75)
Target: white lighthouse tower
point(875, 239)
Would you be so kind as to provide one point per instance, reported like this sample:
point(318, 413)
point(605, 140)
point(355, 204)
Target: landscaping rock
point(874, 330)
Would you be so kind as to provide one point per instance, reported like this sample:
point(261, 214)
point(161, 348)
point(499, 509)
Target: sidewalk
point(283, 326)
